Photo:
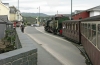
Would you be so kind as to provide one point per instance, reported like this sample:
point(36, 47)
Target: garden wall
point(25, 54)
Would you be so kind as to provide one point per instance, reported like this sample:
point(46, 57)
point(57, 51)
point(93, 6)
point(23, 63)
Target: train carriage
point(71, 30)
point(90, 36)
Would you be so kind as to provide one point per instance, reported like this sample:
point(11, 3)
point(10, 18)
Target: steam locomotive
point(54, 25)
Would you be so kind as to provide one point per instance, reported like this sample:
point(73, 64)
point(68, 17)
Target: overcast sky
point(51, 7)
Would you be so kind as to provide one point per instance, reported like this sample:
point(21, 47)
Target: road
point(54, 50)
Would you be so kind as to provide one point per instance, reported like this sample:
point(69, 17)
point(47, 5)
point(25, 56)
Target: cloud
point(52, 6)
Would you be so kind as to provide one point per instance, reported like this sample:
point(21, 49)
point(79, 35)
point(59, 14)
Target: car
point(32, 25)
point(37, 25)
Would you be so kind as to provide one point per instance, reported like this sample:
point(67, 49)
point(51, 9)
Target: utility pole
point(18, 4)
point(39, 13)
point(71, 9)
point(18, 10)
point(57, 12)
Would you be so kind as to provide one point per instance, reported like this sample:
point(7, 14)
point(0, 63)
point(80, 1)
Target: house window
point(80, 18)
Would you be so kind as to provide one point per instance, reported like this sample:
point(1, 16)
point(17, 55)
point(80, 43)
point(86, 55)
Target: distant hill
point(34, 14)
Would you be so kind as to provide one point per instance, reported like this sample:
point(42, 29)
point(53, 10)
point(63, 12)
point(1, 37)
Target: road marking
point(60, 58)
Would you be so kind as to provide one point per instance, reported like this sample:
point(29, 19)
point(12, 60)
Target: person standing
point(22, 27)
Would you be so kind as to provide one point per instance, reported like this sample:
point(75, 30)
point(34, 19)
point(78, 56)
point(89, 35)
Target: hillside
point(34, 14)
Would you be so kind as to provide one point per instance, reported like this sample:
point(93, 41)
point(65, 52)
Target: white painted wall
point(4, 10)
point(94, 13)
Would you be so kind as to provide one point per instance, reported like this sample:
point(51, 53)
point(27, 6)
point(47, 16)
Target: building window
point(80, 18)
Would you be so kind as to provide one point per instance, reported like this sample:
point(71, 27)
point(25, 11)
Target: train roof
point(71, 20)
point(94, 18)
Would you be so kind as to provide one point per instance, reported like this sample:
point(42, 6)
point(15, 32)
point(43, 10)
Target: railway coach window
point(72, 26)
point(85, 29)
point(98, 40)
point(93, 34)
point(66, 26)
point(76, 27)
point(82, 28)
point(89, 31)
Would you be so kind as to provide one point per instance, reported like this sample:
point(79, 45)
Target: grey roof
point(94, 18)
point(78, 11)
point(97, 8)
point(9, 23)
point(72, 21)
point(3, 18)
point(13, 9)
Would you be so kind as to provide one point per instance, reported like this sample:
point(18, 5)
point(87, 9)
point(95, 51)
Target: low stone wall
point(26, 54)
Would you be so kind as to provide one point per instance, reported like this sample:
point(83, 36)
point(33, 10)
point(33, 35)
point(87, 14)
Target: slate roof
point(13, 10)
point(3, 18)
point(94, 18)
point(97, 8)
point(9, 23)
point(78, 11)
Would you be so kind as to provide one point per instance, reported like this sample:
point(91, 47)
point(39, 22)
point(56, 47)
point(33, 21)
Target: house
point(4, 10)
point(86, 13)
point(13, 13)
point(15, 16)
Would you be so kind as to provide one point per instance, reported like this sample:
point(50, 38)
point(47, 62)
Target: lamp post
point(18, 4)
point(39, 13)
point(71, 9)
point(18, 10)
point(39, 16)
point(57, 12)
